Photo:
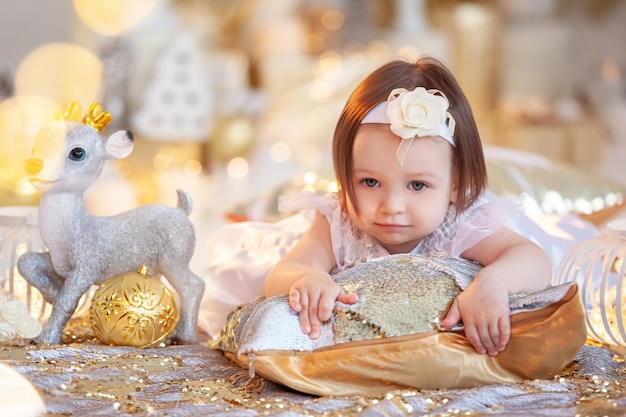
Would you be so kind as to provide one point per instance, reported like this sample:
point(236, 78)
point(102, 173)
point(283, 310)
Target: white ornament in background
point(177, 102)
point(536, 60)
point(412, 36)
point(275, 28)
point(527, 9)
point(598, 266)
point(475, 47)
point(409, 15)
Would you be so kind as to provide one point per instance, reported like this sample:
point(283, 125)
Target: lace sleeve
point(481, 221)
point(350, 246)
point(329, 206)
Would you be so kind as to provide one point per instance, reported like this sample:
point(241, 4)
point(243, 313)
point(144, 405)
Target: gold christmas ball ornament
point(133, 309)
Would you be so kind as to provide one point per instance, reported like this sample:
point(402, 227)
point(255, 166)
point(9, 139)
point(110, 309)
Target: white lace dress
point(239, 256)
point(352, 247)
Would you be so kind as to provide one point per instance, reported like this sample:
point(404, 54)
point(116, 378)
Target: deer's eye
point(77, 154)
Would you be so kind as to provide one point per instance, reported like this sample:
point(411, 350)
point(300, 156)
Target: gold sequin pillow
point(390, 338)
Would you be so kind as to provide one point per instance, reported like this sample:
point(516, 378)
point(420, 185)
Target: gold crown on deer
point(95, 117)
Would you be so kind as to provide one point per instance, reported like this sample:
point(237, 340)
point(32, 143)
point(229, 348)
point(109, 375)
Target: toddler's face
point(400, 205)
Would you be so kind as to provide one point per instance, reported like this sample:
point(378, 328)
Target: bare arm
point(521, 265)
point(512, 264)
point(304, 274)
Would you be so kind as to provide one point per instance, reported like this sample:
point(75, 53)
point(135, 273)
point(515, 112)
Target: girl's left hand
point(484, 309)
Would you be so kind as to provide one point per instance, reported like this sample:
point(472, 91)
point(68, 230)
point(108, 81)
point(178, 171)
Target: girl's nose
point(393, 203)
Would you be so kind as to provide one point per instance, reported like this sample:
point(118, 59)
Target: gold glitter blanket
point(83, 378)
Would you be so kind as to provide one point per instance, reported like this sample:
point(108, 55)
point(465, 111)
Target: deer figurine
point(84, 249)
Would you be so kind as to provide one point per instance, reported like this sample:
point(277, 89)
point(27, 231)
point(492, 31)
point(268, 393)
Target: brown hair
point(430, 73)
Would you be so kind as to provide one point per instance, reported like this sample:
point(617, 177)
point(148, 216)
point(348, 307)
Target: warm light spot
point(62, 72)
point(237, 167)
point(379, 50)
point(112, 17)
point(21, 249)
point(321, 91)
point(330, 62)
point(310, 177)
point(193, 168)
point(333, 187)
point(280, 152)
point(20, 120)
point(332, 20)
point(162, 161)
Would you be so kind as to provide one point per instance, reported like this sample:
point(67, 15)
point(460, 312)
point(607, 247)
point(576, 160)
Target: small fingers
point(314, 320)
point(325, 310)
point(505, 333)
point(307, 308)
point(351, 298)
point(499, 333)
point(294, 300)
point(453, 316)
point(299, 304)
point(474, 338)
point(491, 339)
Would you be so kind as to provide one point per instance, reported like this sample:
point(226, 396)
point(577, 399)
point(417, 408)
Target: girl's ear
point(454, 189)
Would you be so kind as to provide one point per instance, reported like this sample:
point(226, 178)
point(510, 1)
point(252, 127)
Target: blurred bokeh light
point(62, 72)
point(112, 17)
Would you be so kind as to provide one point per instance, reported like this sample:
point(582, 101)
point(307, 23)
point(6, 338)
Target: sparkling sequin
point(398, 295)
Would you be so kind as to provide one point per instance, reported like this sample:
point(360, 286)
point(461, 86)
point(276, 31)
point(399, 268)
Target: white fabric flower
point(419, 112)
point(7, 333)
point(28, 327)
point(13, 311)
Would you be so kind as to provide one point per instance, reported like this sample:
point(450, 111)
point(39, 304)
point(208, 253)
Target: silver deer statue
point(84, 249)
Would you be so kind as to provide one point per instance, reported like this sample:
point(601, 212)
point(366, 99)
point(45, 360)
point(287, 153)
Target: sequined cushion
point(390, 338)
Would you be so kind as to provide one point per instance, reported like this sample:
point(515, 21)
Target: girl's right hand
point(313, 298)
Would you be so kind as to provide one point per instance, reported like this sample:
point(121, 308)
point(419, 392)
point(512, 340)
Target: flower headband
point(419, 112)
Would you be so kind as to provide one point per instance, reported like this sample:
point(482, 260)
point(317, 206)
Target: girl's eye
point(77, 154)
point(370, 182)
point(417, 186)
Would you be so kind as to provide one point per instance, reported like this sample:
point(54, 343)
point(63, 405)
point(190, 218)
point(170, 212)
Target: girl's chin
point(395, 247)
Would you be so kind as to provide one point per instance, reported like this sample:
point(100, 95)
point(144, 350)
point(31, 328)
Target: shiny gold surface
point(133, 309)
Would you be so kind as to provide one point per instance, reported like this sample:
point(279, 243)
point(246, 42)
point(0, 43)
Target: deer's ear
point(119, 145)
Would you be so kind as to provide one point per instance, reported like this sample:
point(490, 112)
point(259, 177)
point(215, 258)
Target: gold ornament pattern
point(133, 309)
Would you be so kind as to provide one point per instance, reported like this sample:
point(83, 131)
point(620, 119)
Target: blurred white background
point(233, 98)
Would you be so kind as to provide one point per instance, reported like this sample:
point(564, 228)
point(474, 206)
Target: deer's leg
point(190, 289)
point(64, 305)
point(37, 270)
